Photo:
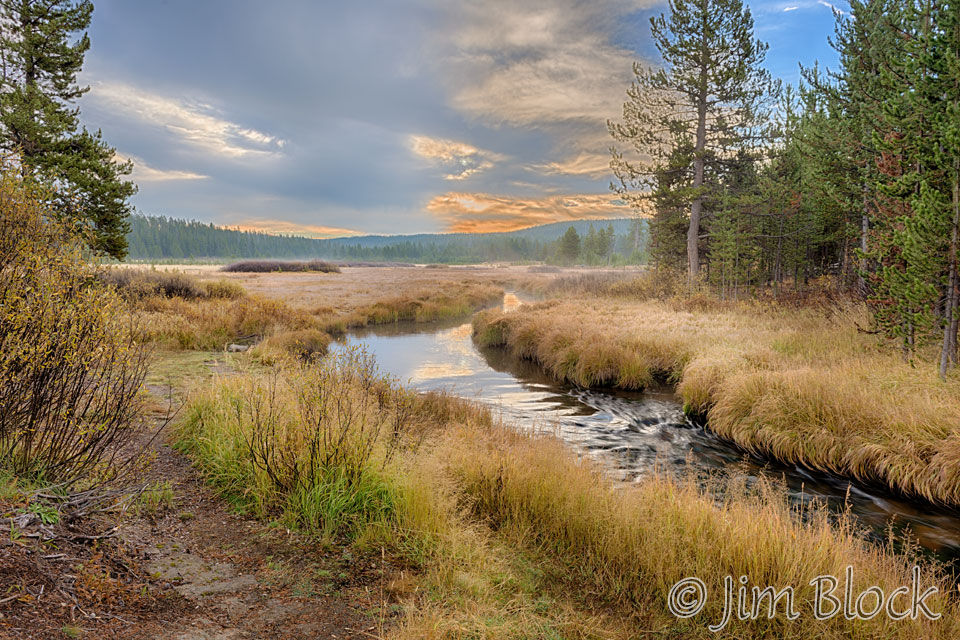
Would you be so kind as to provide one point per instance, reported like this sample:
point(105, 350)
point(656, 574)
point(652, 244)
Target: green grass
point(155, 498)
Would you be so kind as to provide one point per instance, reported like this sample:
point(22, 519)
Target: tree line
point(164, 238)
point(853, 174)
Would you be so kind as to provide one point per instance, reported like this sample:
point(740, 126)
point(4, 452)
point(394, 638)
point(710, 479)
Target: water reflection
point(628, 432)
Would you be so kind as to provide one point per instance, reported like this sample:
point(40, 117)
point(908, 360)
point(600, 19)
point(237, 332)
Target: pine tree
point(39, 121)
point(570, 246)
point(711, 91)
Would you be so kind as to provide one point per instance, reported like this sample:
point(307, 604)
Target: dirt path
point(192, 569)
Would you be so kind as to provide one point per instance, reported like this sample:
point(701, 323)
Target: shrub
point(224, 289)
point(136, 285)
point(268, 266)
point(309, 443)
point(70, 367)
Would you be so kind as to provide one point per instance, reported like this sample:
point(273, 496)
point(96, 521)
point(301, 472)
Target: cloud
point(558, 69)
point(795, 5)
point(294, 228)
point(142, 172)
point(483, 212)
point(591, 165)
point(538, 63)
point(195, 123)
point(459, 159)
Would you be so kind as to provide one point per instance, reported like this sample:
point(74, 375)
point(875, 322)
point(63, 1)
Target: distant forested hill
point(160, 238)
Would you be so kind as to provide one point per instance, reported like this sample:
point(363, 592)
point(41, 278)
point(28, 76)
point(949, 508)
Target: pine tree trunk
point(693, 232)
point(864, 228)
point(948, 351)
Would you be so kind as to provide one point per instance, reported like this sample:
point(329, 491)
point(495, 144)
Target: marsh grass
point(802, 386)
point(513, 535)
point(303, 344)
point(225, 314)
point(427, 306)
point(137, 284)
point(212, 324)
point(629, 546)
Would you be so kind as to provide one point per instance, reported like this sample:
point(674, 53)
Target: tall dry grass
point(138, 284)
point(427, 306)
point(287, 266)
point(798, 385)
point(628, 546)
point(211, 324)
point(182, 312)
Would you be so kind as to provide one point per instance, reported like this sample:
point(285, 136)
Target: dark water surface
point(629, 432)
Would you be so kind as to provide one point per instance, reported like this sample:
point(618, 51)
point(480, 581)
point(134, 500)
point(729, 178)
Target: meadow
point(510, 535)
point(481, 529)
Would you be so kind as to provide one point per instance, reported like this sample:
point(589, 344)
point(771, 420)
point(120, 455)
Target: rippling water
point(629, 432)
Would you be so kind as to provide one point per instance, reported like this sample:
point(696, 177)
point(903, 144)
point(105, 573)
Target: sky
point(384, 116)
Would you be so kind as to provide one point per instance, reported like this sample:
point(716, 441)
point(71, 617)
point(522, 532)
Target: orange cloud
point(483, 212)
point(460, 159)
point(593, 165)
point(292, 228)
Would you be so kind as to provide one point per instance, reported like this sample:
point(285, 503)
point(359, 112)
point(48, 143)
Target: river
point(628, 432)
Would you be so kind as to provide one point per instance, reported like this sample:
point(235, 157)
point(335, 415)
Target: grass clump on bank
point(515, 536)
point(452, 302)
point(274, 266)
point(303, 344)
point(308, 444)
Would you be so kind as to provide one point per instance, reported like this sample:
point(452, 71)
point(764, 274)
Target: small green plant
point(48, 514)
point(155, 498)
point(71, 631)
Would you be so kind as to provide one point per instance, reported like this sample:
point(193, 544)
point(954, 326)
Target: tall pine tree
point(40, 122)
point(711, 90)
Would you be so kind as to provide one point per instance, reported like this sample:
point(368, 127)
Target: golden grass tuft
point(302, 344)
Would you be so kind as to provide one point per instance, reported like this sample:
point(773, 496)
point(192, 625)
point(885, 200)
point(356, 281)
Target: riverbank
point(802, 386)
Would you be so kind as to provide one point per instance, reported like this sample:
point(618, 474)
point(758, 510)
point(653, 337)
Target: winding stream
point(629, 432)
